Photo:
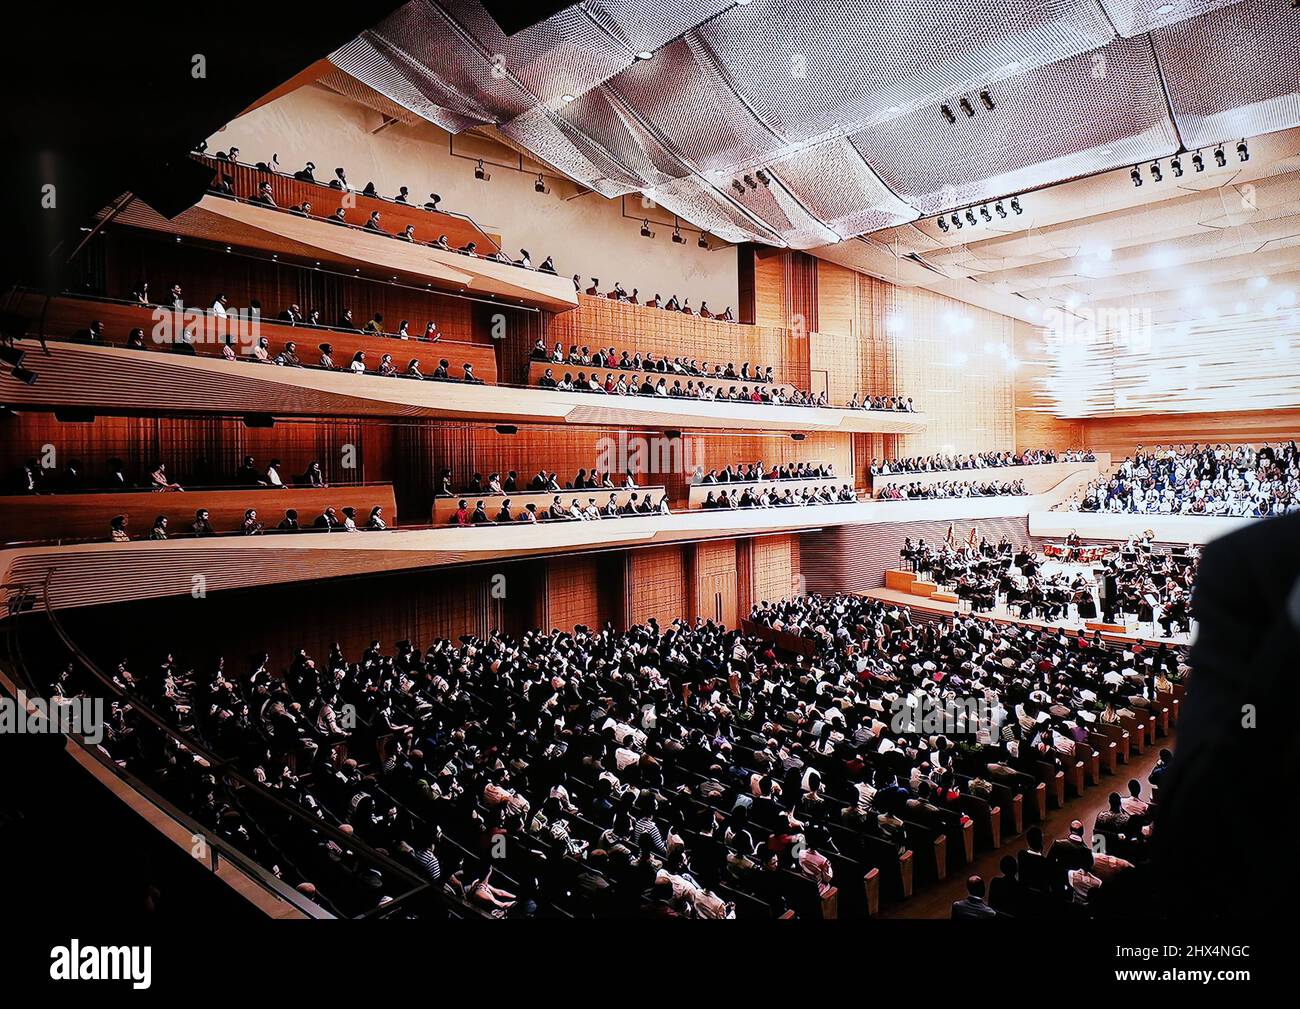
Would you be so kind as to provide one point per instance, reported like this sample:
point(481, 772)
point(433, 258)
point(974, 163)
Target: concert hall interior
point(742, 460)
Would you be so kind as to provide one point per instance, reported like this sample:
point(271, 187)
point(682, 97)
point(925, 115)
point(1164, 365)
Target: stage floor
point(1133, 633)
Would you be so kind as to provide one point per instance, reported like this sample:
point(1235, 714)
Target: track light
point(956, 220)
point(703, 242)
point(678, 238)
point(1136, 176)
point(1155, 171)
point(1243, 152)
point(1198, 162)
point(645, 229)
point(1015, 204)
point(738, 186)
point(970, 217)
point(1177, 165)
point(1220, 158)
point(943, 224)
point(967, 107)
point(763, 177)
point(1002, 211)
point(480, 173)
point(749, 181)
point(540, 184)
point(947, 113)
point(984, 213)
point(987, 100)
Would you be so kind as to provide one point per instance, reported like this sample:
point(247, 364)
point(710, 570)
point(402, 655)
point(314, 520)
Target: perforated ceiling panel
point(1082, 115)
point(1234, 72)
point(682, 95)
point(700, 203)
point(538, 132)
point(841, 190)
point(1133, 17)
point(602, 126)
point(807, 67)
point(645, 25)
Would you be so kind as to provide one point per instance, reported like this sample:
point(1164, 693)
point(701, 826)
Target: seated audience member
point(159, 480)
point(159, 530)
point(375, 523)
point(117, 529)
point(135, 339)
point(202, 525)
point(313, 475)
point(973, 906)
point(1006, 894)
point(289, 524)
point(328, 521)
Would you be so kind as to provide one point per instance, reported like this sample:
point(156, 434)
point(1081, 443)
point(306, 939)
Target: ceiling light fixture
point(1220, 158)
point(956, 220)
point(703, 242)
point(678, 239)
point(970, 217)
point(1155, 172)
point(567, 99)
point(987, 99)
point(645, 55)
point(1198, 162)
point(1136, 176)
point(943, 224)
point(1002, 211)
point(1015, 204)
point(984, 213)
point(645, 229)
point(738, 186)
point(480, 173)
point(1243, 152)
point(1177, 165)
point(947, 113)
point(540, 184)
point(967, 107)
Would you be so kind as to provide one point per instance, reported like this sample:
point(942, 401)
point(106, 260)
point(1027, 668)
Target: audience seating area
point(446, 509)
point(87, 516)
point(65, 317)
point(680, 785)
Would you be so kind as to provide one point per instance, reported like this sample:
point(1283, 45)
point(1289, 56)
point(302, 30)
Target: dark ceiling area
point(101, 101)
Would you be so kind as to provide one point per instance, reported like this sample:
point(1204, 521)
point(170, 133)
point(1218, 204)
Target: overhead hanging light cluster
point(978, 215)
point(1156, 170)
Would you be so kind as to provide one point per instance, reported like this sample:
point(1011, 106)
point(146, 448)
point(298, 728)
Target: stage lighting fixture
point(567, 99)
point(956, 220)
point(480, 173)
point(987, 99)
point(1198, 162)
point(645, 229)
point(1136, 176)
point(738, 186)
point(1002, 211)
point(1015, 204)
point(970, 217)
point(763, 177)
point(947, 113)
point(943, 224)
point(540, 184)
point(1243, 152)
point(967, 107)
point(678, 238)
point(1155, 171)
point(1220, 158)
point(645, 54)
point(703, 242)
point(749, 181)
point(984, 213)
point(1177, 165)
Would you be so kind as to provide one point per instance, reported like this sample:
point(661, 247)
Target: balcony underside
point(115, 380)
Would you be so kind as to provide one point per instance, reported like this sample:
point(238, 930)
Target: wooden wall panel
point(655, 585)
point(1120, 435)
point(1036, 427)
point(129, 257)
point(198, 451)
point(774, 568)
point(573, 592)
point(714, 581)
point(600, 322)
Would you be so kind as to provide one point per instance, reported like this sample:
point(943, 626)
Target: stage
point(1133, 633)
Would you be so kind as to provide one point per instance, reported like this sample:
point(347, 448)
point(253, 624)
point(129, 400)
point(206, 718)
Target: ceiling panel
point(841, 190)
point(1134, 17)
point(811, 67)
point(645, 25)
point(1234, 72)
point(1079, 116)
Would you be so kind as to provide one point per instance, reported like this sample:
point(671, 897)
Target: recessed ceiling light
point(1166, 8)
point(566, 98)
point(645, 55)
